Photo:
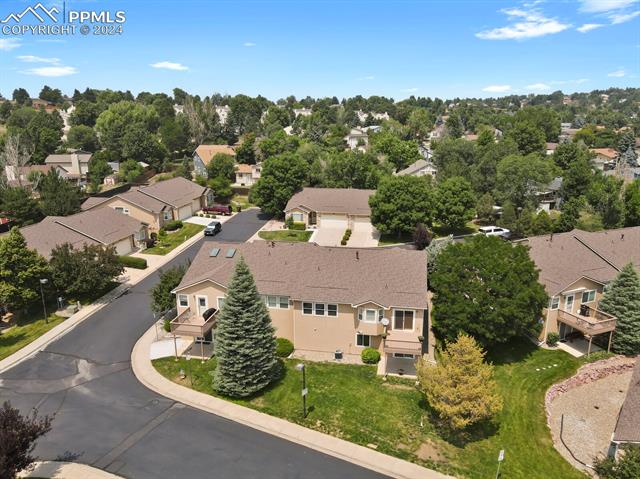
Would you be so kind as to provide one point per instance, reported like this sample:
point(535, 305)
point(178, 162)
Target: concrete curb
point(344, 450)
point(66, 470)
point(70, 323)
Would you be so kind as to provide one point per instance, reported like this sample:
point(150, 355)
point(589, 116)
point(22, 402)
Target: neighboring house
point(628, 425)
point(567, 135)
point(419, 168)
point(223, 112)
point(19, 176)
point(363, 116)
point(75, 164)
point(45, 105)
point(333, 207)
point(551, 148)
point(549, 197)
point(574, 269)
point(154, 205)
point(330, 302)
point(247, 175)
point(438, 132)
point(357, 139)
point(604, 158)
point(205, 153)
point(302, 112)
point(96, 227)
point(425, 151)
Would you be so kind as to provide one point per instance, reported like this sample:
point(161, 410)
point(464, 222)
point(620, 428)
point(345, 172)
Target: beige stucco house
point(575, 267)
point(154, 205)
point(325, 300)
point(247, 175)
point(75, 164)
point(330, 207)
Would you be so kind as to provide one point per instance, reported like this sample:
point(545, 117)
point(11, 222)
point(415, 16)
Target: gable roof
point(306, 271)
point(564, 258)
point(83, 157)
point(333, 200)
point(628, 425)
point(207, 152)
point(101, 226)
point(415, 166)
point(175, 192)
point(606, 152)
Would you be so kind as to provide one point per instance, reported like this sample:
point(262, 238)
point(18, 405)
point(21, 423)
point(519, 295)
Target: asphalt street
point(104, 417)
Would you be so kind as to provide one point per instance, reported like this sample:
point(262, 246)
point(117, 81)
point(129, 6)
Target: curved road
point(104, 417)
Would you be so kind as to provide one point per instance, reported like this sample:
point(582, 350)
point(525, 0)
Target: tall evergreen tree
point(622, 299)
point(245, 341)
point(59, 197)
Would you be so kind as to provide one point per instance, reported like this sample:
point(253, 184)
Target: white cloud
point(367, 78)
point(617, 18)
point(8, 44)
point(497, 88)
point(55, 71)
point(249, 44)
point(525, 24)
point(35, 59)
point(617, 74)
point(599, 6)
point(579, 81)
point(538, 87)
point(587, 27)
point(169, 66)
point(410, 90)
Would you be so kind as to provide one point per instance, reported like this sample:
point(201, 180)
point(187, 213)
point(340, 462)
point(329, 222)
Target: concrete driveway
point(328, 236)
point(364, 235)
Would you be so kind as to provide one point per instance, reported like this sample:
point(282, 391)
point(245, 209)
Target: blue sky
point(323, 48)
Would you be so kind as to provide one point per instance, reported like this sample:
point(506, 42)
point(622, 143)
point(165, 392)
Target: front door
point(312, 218)
point(568, 303)
point(202, 304)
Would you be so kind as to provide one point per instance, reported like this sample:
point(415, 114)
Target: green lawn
point(242, 201)
point(285, 235)
point(387, 239)
point(440, 231)
point(26, 331)
point(352, 403)
point(174, 239)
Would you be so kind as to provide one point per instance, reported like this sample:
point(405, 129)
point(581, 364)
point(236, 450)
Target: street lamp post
point(305, 391)
point(44, 281)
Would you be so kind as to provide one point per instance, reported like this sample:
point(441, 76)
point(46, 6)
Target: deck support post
point(609, 345)
point(589, 350)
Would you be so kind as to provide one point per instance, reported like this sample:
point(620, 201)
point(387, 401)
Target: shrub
point(162, 233)
point(284, 347)
point(343, 242)
point(552, 339)
point(345, 237)
point(298, 225)
point(289, 222)
point(132, 262)
point(370, 356)
point(166, 325)
point(173, 225)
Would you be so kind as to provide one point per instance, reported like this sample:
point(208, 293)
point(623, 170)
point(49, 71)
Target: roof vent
point(231, 252)
point(214, 252)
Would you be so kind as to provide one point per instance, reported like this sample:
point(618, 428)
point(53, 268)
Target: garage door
point(333, 221)
point(195, 205)
point(361, 223)
point(123, 247)
point(185, 212)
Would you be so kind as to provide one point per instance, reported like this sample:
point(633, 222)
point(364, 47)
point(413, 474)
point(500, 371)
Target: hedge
point(284, 347)
point(298, 225)
point(132, 262)
point(173, 225)
point(370, 356)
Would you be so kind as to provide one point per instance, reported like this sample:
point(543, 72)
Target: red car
point(219, 209)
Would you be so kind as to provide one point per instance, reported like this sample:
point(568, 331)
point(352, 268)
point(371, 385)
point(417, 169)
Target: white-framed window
point(363, 340)
point(319, 309)
point(221, 300)
point(332, 310)
point(307, 308)
point(588, 296)
point(403, 319)
point(297, 217)
point(368, 315)
point(167, 215)
point(183, 300)
point(554, 303)
point(403, 356)
point(277, 302)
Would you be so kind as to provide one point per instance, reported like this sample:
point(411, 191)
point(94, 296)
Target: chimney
point(358, 255)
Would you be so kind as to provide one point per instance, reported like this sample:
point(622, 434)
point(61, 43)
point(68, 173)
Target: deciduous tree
point(455, 202)
point(281, 177)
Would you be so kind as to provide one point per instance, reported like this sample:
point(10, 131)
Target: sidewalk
point(347, 451)
point(66, 470)
point(129, 278)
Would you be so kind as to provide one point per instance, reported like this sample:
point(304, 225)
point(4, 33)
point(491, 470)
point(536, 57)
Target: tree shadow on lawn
point(515, 351)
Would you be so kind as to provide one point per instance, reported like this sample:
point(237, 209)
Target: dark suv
point(220, 209)
point(213, 228)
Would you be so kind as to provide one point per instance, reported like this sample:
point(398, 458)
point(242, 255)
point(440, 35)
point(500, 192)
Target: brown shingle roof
point(175, 192)
point(99, 226)
point(92, 201)
point(207, 152)
point(607, 152)
point(243, 168)
point(628, 425)
point(305, 271)
point(333, 200)
point(566, 257)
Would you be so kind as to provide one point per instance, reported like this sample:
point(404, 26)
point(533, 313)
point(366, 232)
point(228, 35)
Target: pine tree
point(245, 341)
point(622, 299)
point(460, 387)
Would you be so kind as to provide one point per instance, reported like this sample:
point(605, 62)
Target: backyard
point(353, 403)
point(285, 235)
point(174, 239)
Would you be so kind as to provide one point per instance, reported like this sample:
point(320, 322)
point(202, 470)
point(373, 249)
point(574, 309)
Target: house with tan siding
point(575, 268)
point(330, 302)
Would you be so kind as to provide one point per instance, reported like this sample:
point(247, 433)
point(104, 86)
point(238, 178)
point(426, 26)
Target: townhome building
point(75, 164)
point(330, 302)
point(575, 268)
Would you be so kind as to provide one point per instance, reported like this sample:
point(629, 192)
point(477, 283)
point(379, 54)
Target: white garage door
point(123, 247)
point(185, 212)
point(361, 223)
point(333, 221)
point(195, 205)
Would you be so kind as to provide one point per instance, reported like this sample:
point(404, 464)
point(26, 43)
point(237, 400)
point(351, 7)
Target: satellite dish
point(384, 321)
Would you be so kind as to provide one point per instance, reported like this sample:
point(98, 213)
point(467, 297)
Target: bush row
point(173, 225)
point(132, 262)
point(345, 237)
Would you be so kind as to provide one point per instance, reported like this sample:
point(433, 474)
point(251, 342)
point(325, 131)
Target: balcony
point(402, 342)
point(371, 329)
point(188, 323)
point(590, 321)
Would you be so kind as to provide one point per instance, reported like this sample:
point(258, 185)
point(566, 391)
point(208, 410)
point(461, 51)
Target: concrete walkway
point(129, 278)
point(347, 451)
point(66, 470)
